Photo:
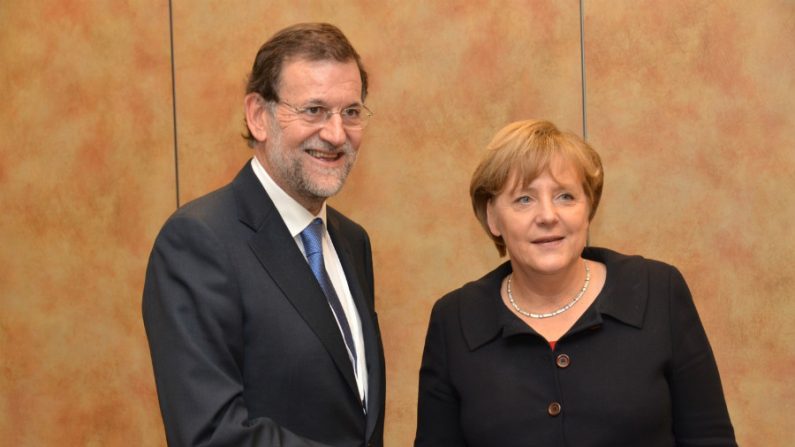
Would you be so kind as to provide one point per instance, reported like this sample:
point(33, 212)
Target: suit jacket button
point(554, 409)
point(563, 361)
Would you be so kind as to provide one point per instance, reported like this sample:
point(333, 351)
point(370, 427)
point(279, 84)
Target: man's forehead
point(320, 78)
point(299, 69)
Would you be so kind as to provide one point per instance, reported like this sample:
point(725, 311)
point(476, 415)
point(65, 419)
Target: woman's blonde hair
point(525, 149)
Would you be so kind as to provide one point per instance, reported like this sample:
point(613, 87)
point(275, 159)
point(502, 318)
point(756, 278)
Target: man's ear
point(257, 116)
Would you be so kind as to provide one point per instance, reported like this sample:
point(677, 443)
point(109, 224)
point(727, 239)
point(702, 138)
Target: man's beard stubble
point(287, 163)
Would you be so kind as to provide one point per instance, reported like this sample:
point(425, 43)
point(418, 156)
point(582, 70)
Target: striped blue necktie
point(312, 237)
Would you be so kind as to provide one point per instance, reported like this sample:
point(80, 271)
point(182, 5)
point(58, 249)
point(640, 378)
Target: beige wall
point(690, 103)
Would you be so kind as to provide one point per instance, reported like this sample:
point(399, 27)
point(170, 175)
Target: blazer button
point(563, 361)
point(554, 409)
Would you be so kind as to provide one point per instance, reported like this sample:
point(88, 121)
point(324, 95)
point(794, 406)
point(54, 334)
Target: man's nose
point(332, 131)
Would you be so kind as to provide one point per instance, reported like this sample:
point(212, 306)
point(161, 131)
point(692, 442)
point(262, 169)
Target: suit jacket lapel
point(279, 255)
point(367, 317)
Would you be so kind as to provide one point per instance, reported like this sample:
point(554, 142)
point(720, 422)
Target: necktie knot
point(312, 237)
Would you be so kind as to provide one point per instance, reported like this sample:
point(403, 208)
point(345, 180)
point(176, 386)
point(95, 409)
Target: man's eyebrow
point(313, 102)
point(321, 102)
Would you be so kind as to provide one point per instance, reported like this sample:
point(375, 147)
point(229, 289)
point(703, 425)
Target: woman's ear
point(257, 116)
point(491, 219)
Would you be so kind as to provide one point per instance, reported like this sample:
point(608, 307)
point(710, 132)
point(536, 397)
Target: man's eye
point(314, 111)
point(352, 112)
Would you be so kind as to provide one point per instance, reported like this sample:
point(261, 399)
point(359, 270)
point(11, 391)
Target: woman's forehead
point(560, 168)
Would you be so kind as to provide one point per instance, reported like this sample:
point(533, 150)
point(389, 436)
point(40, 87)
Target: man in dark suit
point(258, 302)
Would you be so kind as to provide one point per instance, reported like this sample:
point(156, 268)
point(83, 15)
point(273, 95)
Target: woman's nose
point(546, 211)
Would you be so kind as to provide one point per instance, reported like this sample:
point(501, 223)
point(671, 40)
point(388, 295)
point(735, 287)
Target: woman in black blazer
point(563, 345)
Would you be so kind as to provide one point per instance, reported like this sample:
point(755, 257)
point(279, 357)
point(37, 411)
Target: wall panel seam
point(582, 71)
point(173, 101)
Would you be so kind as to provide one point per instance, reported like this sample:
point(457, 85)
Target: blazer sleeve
point(438, 411)
point(193, 322)
point(700, 416)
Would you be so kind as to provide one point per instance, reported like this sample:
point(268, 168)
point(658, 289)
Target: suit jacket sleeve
point(700, 416)
point(194, 325)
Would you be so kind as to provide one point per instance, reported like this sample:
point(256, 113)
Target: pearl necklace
point(555, 312)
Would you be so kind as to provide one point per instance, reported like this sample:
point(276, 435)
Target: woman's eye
point(523, 199)
point(566, 197)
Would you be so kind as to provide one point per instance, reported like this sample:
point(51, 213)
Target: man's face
point(311, 161)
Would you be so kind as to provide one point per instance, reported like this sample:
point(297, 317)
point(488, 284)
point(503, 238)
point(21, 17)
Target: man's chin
point(325, 189)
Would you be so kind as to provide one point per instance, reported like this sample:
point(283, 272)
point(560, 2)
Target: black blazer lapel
point(356, 275)
point(282, 260)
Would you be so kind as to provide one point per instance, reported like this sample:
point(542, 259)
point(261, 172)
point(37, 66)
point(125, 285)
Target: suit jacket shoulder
point(244, 345)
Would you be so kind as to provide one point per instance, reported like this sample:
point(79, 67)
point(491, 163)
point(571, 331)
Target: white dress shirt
point(297, 218)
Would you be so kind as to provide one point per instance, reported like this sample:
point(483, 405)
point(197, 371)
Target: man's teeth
point(325, 155)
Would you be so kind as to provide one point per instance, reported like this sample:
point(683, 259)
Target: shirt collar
point(295, 216)
point(626, 290)
point(623, 297)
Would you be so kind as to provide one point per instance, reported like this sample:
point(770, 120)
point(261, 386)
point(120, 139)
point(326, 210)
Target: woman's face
point(544, 225)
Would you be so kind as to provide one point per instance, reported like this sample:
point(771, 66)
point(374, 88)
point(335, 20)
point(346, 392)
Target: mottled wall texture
point(691, 104)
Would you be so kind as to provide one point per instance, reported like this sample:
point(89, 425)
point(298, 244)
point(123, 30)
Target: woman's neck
point(540, 291)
